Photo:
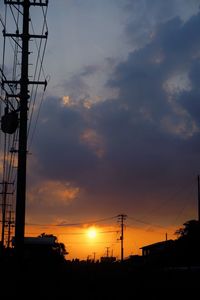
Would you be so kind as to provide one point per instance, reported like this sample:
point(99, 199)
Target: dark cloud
point(89, 70)
point(59, 148)
point(174, 49)
point(148, 136)
point(138, 140)
point(190, 100)
point(145, 15)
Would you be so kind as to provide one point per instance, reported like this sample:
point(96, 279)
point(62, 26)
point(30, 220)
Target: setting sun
point(91, 233)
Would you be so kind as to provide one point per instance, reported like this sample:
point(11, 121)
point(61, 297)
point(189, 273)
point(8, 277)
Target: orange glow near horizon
point(82, 242)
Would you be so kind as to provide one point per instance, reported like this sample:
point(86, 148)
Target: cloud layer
point(131, 152)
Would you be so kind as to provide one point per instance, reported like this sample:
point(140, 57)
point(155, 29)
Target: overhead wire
point(146, 223)
point(16, 21)
point(36, 121)
point(3, 59)
point(14, 74)
point(65, 224)
point(11, 89)
point(37, 73)
point(184, 205)
point(180, 209)
point(12, 137)
point(83, 233)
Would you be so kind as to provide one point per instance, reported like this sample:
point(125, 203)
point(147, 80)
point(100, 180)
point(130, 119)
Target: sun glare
point(92, 233)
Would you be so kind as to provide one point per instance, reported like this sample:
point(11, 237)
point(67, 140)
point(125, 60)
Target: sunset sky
point(119, 128)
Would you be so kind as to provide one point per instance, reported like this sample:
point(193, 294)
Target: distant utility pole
point(107, 251)
point(5, 219)
point(94, 255)
point(88, 257)
point(24, 82)
point(121, 219)
point(112, 253)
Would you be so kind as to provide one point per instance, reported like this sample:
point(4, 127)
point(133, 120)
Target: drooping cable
point(40, 59)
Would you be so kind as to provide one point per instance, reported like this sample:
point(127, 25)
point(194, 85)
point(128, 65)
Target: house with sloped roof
point(160, 253)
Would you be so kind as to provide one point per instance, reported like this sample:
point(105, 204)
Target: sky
point(119, 128)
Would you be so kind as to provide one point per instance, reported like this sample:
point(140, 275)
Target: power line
point(38, 59)
point(83, 233)
point(65, 224)
point(145, 222)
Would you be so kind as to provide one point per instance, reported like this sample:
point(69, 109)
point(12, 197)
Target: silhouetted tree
point(45, 235)
point(62, 249)
point(188, 243)
point(44, 248)
point(59, 249)
point(190, 231)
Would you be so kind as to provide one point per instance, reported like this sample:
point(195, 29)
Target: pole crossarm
point(30, 36)
point(21, 2)
point(16, 82)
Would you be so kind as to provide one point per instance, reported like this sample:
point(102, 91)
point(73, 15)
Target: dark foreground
point(82, 280)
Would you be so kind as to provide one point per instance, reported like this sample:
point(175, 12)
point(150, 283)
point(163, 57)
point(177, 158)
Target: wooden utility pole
point(121, 219)
point(23, 111)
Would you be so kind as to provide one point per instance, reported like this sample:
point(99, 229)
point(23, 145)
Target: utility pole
point(94, 256)
point(121, 219)
point(88, 257)
point(21, 171)
point(4, 194)
point(112, 253)
point(10, 224)
point(107, 251)
point(24, 83)
point(5, 222)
